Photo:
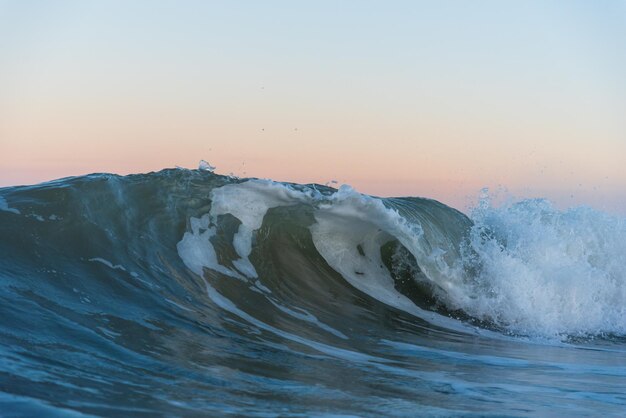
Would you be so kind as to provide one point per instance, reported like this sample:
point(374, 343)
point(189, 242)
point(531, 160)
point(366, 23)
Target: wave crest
point(527, 268)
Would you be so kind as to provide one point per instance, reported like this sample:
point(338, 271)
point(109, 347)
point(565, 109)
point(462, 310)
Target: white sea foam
point(248, 202)
point(107, 263)
point(308, 317)
point(546, 272)
point(205, 166)
point(196, 249)
point(349, 232)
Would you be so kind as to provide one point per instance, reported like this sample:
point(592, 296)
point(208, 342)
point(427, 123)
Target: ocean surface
point(187, 293)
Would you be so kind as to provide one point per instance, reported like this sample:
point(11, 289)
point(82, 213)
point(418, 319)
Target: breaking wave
point(246, 292)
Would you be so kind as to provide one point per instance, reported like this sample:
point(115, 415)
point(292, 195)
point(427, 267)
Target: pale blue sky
point(441, 98)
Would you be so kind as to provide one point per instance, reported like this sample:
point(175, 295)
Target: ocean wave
point(253, 295)
point(525, 268)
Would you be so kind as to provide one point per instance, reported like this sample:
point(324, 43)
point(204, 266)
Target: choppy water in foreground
point(187, 293)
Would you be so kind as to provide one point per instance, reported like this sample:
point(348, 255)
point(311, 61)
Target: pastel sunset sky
point(435, 99)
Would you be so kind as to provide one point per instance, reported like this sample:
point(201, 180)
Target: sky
point(435, 99)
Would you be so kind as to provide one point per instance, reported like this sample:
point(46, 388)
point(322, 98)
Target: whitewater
point(185, 292)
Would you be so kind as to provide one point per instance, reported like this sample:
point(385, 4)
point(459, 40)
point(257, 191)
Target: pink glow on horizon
point(415, 99)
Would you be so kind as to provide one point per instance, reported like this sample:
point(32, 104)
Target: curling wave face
point(527, 269)
point(184, 291)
